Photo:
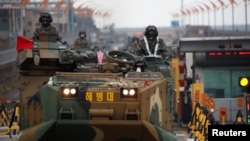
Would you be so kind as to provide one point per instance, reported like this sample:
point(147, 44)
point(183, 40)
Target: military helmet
point(151, 31)
point(140, 62)
point(45, 16)
point(82, 32)
point(135, 39)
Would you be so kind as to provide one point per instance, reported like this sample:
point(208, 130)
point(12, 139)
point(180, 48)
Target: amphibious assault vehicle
point(105, 101)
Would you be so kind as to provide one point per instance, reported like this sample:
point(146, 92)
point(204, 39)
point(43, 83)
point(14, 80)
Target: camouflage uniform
point(81, 43)
point(134, 46)
point(43, 30)
point(45, 20)
point(162, 48)
point(151, 44)
point(133, 49)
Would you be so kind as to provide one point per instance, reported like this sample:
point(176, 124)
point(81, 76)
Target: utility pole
point(246, 17)
point(182, 17)
point(232, 16)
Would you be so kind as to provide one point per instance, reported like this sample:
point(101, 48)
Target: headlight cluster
point(128, 92)
point(70, 92)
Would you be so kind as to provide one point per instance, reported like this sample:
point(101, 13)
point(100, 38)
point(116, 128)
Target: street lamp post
point(246, 16)
point(232, 16)
point(182, 13)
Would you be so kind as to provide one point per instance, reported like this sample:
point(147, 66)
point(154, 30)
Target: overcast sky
point(140, 13)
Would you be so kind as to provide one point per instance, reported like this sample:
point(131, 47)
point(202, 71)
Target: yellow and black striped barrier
point(198, 126)
point(9, 126)
point(4, 118)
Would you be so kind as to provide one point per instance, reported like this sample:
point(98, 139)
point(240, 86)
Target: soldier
point(151, 44)
point(81, 42)
point(134, 47)
point(46, 28)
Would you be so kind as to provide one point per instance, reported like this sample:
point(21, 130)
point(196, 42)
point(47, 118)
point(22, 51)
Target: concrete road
point(181, 134)
point(7, 56)
point(7, 138)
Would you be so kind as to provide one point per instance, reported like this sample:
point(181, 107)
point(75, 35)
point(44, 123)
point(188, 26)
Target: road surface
point(181, 134)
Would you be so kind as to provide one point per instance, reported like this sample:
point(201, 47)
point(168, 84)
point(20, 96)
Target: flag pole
point(232, 16)
point(222, 12)
point(182, 18)
point(214, 10)
point(246, 16)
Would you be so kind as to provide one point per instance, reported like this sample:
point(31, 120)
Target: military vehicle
point(108, 101)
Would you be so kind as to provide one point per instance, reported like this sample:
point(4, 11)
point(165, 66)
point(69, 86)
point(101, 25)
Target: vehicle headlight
point(132, 92)
point(69, 92)
point(73, 91)
point(125, 92)
point(66, 91)
point(128, 93)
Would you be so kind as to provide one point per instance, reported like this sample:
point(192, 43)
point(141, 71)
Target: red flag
point(222, 3)
point(201, 8)
point(208, 8)
point(44, 3)
point(246, 1)
point(183, 12)
point(175, 14)
point(25, 2)
point(59, 4)
point(106, 14)
point(232, 2)
point(69, 6)
point(23, 43)
point(214, 5)
point(78, 8)
point(195, 10)
point(188, 11)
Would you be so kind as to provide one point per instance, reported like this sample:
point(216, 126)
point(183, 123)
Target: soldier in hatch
point(81, 42)
point(46, 28)
point(151, 44)
point(134, 47)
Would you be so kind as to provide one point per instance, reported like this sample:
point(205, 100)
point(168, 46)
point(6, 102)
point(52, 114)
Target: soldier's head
point(96, 48)
point(139, 63)
point(82, 34)
point(45, 19)
point(135, 40)
point(151, 32)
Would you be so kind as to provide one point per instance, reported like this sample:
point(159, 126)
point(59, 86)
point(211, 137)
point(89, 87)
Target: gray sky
point(140, 13)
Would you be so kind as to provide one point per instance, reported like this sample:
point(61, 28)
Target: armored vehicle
point(105, 101)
